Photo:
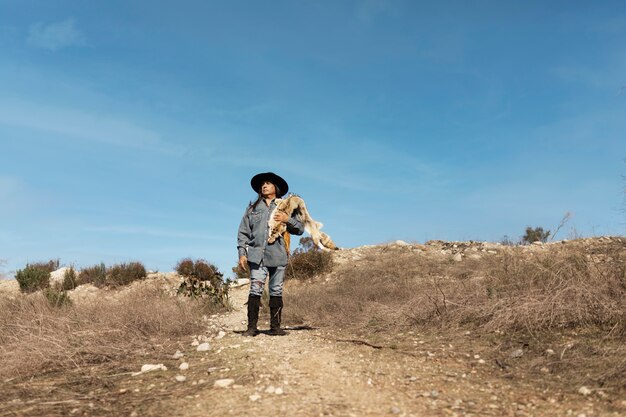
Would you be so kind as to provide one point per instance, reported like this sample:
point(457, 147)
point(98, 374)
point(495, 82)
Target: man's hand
point(281, 216)
point(243, 262)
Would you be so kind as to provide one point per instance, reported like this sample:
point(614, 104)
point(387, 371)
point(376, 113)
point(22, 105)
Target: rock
point(457, 257)
point(270, 389)
point(203, 347)
point(223, 383)
point(195, 343)
point(149, 368)
point(584, 390)
point(517, 353)
point(279, 391)
point(242, 281)
point(178, 354)
point(183, 366)
point(59, 274)
point(254, 397)
point(181, 378)
point(434, 393)
point(549, 352)
point(400, 243)
point(220, 334)
point(395, 410)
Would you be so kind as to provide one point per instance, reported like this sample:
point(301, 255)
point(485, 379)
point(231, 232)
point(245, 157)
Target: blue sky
point(129, 130)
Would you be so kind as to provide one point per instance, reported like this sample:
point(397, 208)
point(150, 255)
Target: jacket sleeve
point(295, 226)
point(244, 235)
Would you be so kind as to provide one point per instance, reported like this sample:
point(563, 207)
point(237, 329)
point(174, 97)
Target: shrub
point(202, 280)
point(308, 261)
point(124, 274)
point(34, 277)
point(95, 275)
point(185, 267)
point(69, 279)
point(535, 235)
point(57, 298)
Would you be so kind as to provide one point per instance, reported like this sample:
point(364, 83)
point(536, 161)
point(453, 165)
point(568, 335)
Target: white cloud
point(55, 36)
point(81, 124)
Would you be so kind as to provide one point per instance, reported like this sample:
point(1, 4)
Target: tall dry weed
point(564, 290)
point(35, 337)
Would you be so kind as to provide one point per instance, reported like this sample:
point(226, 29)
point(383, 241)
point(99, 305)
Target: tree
point(536, 234)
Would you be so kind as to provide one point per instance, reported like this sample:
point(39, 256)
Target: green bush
point(57, 298)
point(95, 275)
point(70, 280)
point(124, 274)
point(34, 277)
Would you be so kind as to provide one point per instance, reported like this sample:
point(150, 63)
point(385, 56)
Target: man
point(262, 258)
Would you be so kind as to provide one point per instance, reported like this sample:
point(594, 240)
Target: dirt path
point(314, 373)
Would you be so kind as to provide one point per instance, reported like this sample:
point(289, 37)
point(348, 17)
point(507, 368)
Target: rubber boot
point(253, 315)
point(276, 309)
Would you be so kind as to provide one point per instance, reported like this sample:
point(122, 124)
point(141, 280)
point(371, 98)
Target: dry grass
point(534, 297)
point(35, 337)
point(55, 358)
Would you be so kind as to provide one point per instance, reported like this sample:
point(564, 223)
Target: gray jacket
point(253, 233)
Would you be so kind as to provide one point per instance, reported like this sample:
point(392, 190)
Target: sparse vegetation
point(95, 275)
point(70, 281)
point(308, 261)
point(202, 280)
point(57, 297)
point(52, 356)
point(536, 234)
point(35, 276)
point(125, 273)
point(532, 297)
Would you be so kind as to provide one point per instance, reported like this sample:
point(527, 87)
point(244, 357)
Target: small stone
point(395, 410)
point(457, 257)
point(545, 370)
point(270, 390)
point(195, 343)
point(203, 347)
point(434, 393)
point(517, 353)
point(149, 368)
point(223, 383)
point(549, 352)
point(183, 366)
point(481, 361)
point(279, 391)
point(584, 390)
point(181, 378)
point(220, 334)
point(178, 354)
point(254, 397)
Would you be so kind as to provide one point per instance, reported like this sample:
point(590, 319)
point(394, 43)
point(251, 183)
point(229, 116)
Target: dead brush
point(37, 338)
point(525, 295)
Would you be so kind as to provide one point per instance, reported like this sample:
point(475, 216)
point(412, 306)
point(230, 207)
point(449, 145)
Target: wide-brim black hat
point(257, 181)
